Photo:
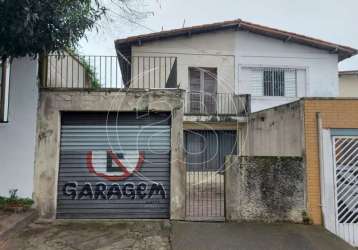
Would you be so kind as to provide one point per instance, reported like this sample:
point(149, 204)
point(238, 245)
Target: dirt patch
point(92, 235)
point(10, 221)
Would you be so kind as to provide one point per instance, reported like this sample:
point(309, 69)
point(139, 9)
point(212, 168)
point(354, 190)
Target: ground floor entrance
point(340, 182)
point(114, 165)
point(205, 152)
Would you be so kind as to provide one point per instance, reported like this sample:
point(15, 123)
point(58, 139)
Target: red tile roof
point(238, 24)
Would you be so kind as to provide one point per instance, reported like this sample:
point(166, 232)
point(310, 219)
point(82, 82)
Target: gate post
point(232, 188)
point(177, 168)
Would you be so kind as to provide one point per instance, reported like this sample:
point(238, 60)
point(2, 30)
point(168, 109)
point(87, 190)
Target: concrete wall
point(48, 133)
point(274, 132)
point(266, 189)
point(231, 51)
point(348, 85)
point(17, 137)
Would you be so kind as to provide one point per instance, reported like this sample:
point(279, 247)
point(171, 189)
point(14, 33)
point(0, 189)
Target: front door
point(205, 158)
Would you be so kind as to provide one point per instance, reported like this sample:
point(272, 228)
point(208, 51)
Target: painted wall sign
point(116, 168)
point(124, 166)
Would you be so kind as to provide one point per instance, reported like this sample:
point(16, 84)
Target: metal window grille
point(268, 81)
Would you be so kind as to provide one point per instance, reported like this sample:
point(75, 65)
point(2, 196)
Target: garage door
point(114, 165)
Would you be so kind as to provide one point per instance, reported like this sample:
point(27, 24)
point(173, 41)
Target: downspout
point(321, 162)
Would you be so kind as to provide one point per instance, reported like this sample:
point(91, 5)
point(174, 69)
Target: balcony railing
point(75, 71)
point(153, 72)
point(196, 103)
point(84, 72)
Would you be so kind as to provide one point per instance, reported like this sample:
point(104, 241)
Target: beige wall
point(214, 50)
point(274, 132)
point(348, 85)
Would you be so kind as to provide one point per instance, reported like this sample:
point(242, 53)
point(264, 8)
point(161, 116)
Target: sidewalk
point(250, 236)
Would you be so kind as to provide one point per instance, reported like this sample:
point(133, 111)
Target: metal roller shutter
point(114, 165)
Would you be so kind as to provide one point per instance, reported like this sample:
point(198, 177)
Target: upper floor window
point(272, 81)
point(4, 90)
point(203, 90)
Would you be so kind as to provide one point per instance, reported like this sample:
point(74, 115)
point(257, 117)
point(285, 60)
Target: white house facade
point(244, 62)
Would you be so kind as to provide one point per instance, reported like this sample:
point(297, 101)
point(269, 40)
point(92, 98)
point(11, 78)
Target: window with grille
point(4, 90)
point(272, 81)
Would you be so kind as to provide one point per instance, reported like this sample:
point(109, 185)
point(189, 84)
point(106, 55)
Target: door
point(203, 90)
point(205, 157)
point(114, 165)
point(340, 178)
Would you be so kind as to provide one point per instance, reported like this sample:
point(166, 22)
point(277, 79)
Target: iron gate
point(346, 187)
point(114, 165)
point(205, 158)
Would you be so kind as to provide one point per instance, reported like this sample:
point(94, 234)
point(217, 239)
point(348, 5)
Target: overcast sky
point(331, 20)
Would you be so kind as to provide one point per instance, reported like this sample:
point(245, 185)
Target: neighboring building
point(18, 126)
point(324, 131)
point(348, 83)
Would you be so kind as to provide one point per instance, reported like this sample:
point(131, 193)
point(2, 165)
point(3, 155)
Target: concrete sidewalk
point(165, 235)
point(250, 236)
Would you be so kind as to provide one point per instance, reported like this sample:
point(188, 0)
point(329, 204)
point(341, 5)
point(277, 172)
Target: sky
point(331, 20)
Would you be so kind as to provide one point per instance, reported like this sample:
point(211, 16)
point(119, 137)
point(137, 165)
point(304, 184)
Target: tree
point(32, 27)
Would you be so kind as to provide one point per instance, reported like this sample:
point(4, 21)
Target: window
point(4, 90)
point(203, 90)
point(272, 81)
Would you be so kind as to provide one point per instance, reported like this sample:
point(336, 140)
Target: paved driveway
point(210, 236)
point(162, 235)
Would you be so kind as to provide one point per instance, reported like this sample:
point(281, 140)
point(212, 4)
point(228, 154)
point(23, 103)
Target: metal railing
point(75, 71)
point(153, 72)
point(83, 72)
point(196, 103)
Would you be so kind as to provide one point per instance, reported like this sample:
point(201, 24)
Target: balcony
point(95, 72)
point(70, 71)
point(219, 104)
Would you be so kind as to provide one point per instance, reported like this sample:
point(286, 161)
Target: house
point(153, 137)
point(348, 83)
point(273, 66)
point(228, 70)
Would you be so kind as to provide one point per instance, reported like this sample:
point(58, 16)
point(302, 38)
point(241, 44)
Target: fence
point(75, 71)
point(198, 103)
point(78, 71)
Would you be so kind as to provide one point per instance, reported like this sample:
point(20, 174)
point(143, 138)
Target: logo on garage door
point(114, 167)
point(118, 166)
